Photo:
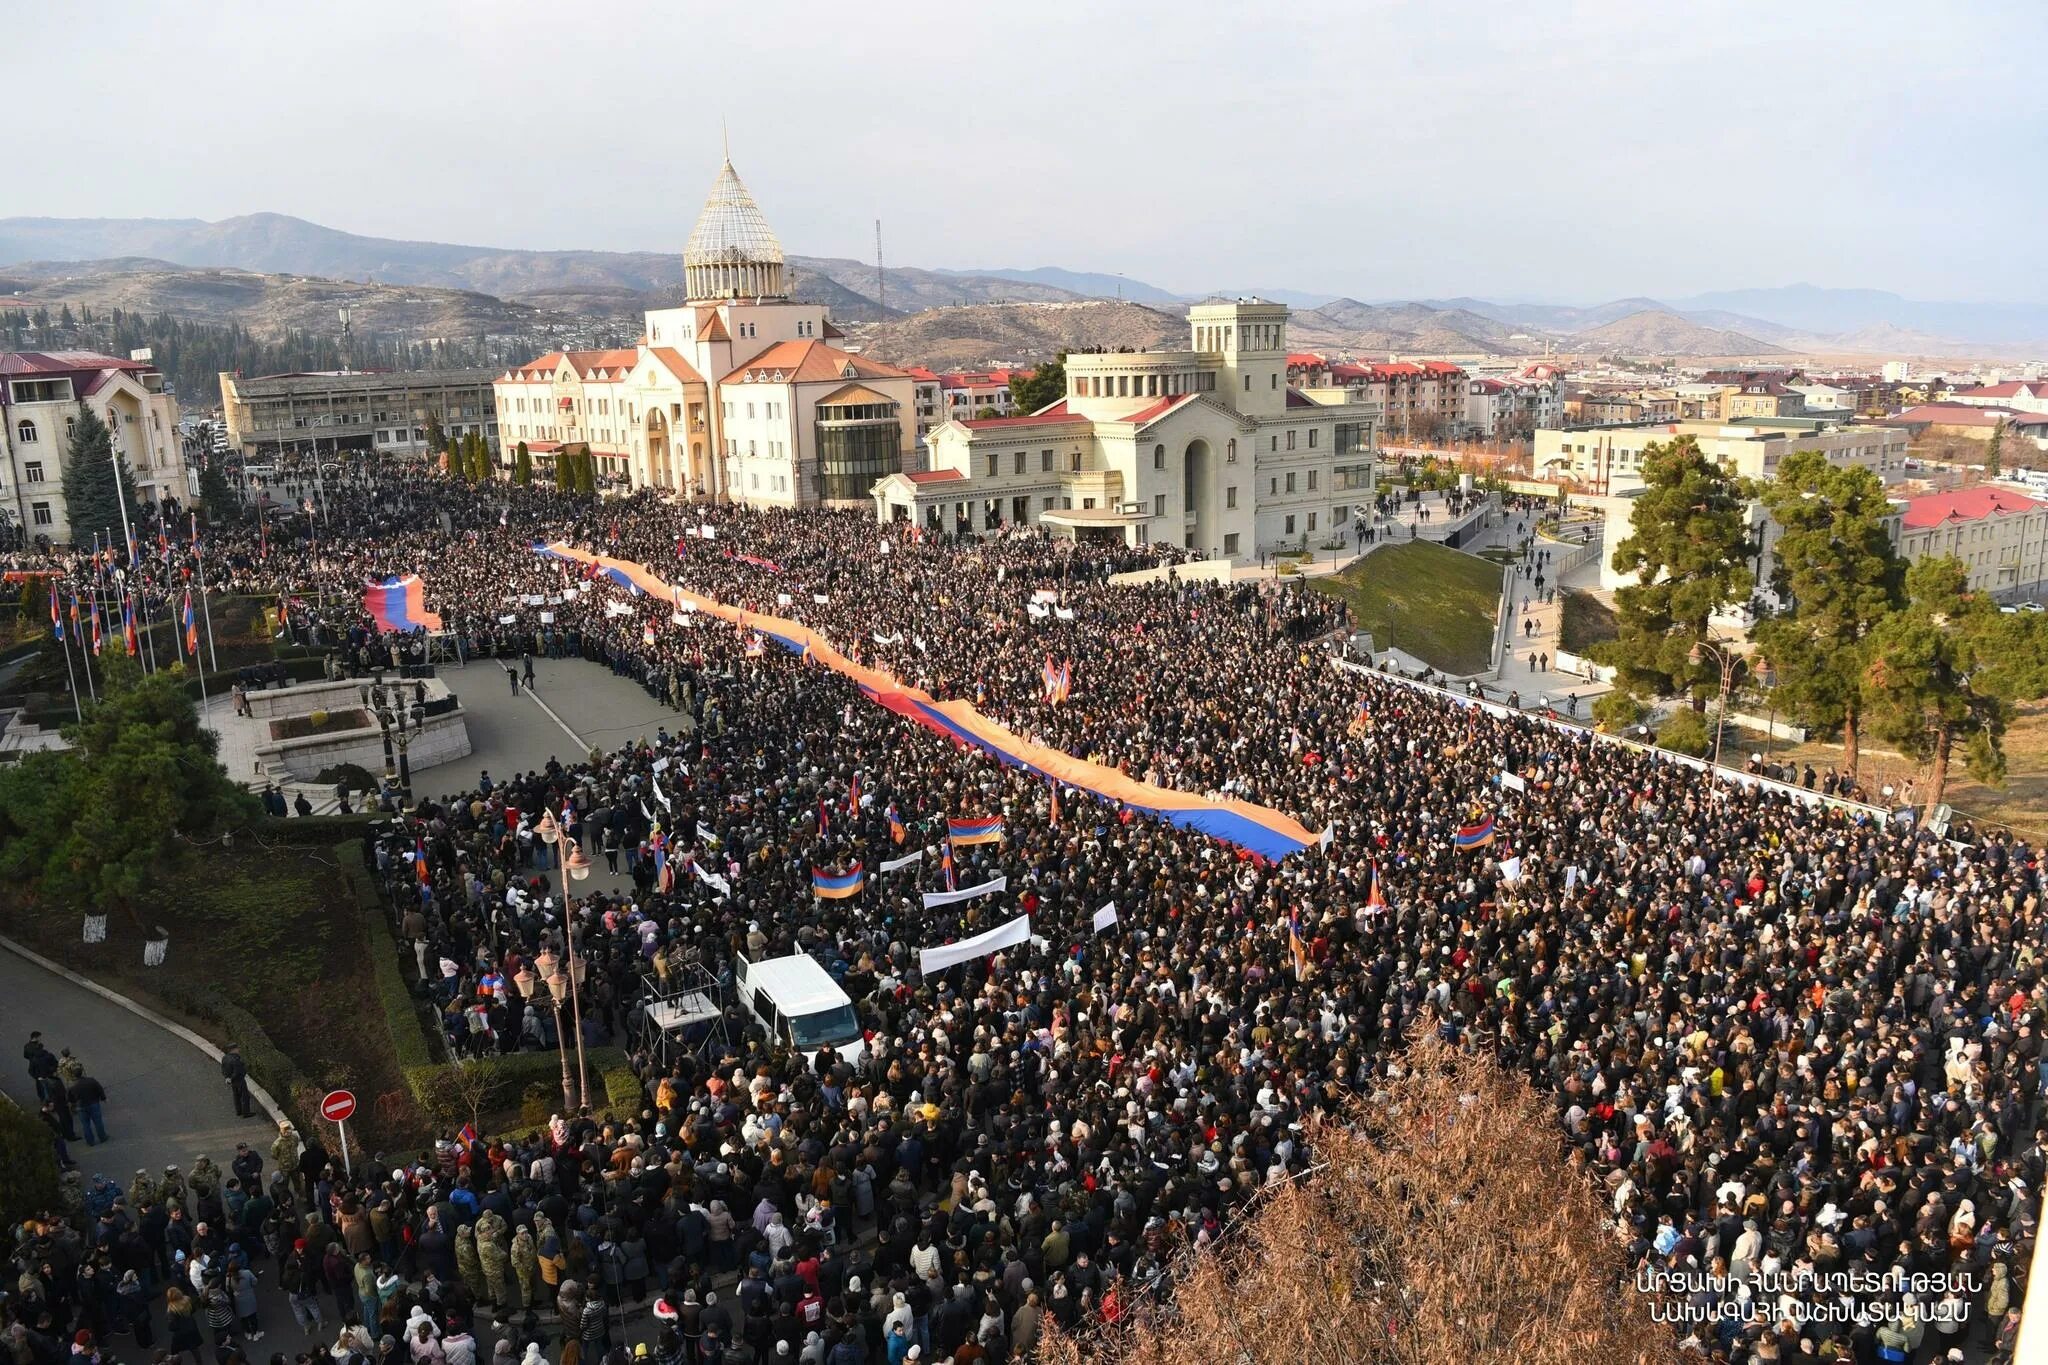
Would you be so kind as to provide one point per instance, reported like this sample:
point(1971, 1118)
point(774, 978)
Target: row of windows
point(777, 483)
point(1143, 385)
point(772, 411)
point(1273, 484)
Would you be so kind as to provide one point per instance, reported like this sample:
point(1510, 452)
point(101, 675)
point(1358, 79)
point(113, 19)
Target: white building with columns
point(1208, 448)
point(737, 395)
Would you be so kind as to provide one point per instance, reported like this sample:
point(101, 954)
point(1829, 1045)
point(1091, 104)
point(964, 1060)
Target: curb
point(261, 1095)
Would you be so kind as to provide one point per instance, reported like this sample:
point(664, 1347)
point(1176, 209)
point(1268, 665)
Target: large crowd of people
point(1797, 1044)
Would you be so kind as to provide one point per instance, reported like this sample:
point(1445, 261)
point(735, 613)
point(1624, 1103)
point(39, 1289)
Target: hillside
point(270, 305)
point(1013, 333)
point(1654, 332)
point(1408, 328)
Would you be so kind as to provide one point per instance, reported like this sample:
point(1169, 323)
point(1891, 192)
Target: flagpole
point(57, 622)
point(205, 607)
point(196, 669)
point(84, 658)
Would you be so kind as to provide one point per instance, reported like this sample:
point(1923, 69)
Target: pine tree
point(92, 496)
point(522, 466)
point(1689, 551)
point(1839, 577)
point(1994, 451)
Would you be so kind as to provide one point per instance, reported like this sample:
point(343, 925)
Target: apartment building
point(40, 395)
point(333, 411)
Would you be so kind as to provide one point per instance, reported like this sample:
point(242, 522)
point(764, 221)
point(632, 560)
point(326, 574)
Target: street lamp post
point(572, 863)
point(1724, 655)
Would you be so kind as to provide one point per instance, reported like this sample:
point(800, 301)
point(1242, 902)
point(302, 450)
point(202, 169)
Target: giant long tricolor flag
point(835, 887)
point(398, 604)
point(1259, 829)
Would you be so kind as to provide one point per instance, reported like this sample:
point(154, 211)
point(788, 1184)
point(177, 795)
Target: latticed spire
point(732, 252)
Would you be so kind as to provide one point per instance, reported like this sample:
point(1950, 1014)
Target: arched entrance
point(1197, 497)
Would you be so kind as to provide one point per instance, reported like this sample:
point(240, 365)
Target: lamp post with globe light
point(573, 864)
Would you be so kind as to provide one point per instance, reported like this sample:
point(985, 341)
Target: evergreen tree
point(561, 469)
point(1046, 384)
point(1839, 577)
point(217, 495)
point(1994, 451)
point(1947, 670)
point(92, 495)
point(101, 824)
point(1689, 551)
point(522, 466)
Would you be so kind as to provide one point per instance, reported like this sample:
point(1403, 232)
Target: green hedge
point(268, 1064)
point(402, 1018)
point(311, 831)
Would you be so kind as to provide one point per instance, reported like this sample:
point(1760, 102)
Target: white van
point(797, 1002)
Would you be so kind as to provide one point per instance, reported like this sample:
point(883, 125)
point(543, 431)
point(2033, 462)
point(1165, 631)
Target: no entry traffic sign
point(338, 1105)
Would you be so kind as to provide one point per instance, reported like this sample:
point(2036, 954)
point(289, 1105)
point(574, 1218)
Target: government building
point(1209, 448)
point(738, 395)
point(40, 395)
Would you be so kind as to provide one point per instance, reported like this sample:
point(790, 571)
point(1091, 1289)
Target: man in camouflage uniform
point(467, 1264)
point(525, 1269)
point(171, 1189)
point(284, 1151)
point(204, 1178)
point(491, 1253)
point(142, 1190)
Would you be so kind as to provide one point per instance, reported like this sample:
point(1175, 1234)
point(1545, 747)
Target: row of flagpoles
point(109, 591)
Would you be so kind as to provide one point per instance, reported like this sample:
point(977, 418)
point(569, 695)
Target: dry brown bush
point(1436, 1226)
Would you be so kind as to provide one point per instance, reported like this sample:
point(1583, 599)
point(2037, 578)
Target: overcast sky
point(1560, 151)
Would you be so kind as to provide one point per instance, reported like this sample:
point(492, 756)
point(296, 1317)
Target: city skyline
point(1415, 153)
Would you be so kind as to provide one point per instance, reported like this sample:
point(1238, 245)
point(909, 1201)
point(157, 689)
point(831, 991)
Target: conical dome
point(732, 252)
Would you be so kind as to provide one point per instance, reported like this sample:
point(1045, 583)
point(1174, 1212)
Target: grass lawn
point(2021, 804)
point(273, 931)
point(1587, 621)
point(1423, 599)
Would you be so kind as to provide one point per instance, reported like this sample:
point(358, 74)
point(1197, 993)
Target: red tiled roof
point(804, 362)
point(935, 476)
point(713, 329)
point(673, 360)
point(1036, 419)
point(1308, 359)
point(1969, 504)
point(1160, 409)
point(921, 373)
point(65, 362)
point(1955, 415)
point(1058, 407)
point(2016, 388)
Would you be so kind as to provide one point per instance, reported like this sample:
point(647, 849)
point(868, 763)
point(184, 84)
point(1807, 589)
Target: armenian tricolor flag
point(56, 615)
point(831, 887)
point(128, 637)
point(398, 604)
point(853, 795)
point(987, 830)
point(96, 637)
point(1375, 903)
point(755, 647)
point(1295, 946)
point(946, 868)
point(897, 833)
point(1477, 834)
point(191, 627)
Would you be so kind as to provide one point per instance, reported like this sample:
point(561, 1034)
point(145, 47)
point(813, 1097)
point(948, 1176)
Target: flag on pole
point(1375, 903)
point(56, 616)
point(839, 886)
point(128, 639)
point(986, 830)
point(824, 818)
point(96, 637)
point(134, 554)
point(1295, 945)
point(946, 868)
point(897, 833)
point(74, 617)
point(468, 1130)
point(1478, 834)
point(1053, 782)
point(853, 795)
point(191, 627)
point(419, 861)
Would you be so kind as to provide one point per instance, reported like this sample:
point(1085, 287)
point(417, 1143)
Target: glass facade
point(857, 445)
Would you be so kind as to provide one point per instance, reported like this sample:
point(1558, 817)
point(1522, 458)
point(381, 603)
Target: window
point(1290, 526)
point(1230, 543)
point(32, 472)
point(1311, 521)
point(1045, 462)
point(1272, 488)
point(1087, 503)
point(1275, 377)
point(1290, 483)
point(1275, 441)
point(1230, 496)
point(1076, 462)
point(1247, 383)
point(1230, 451)
point(1159, 504)
point(1312, 481)
point(26, 432)
point(1311, 438)
point(1290, 440)
point(1159, 457)
point(1045, 504)
point(992, 465)
point(39, 513)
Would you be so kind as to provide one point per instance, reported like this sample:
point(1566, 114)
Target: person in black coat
point(235, 1071)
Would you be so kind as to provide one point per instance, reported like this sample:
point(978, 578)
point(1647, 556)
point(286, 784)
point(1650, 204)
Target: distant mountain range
point(618, 286)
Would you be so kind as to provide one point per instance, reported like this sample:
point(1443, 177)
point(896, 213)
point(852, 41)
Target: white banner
point(886, 547)
point(707, 531)
point(547, 618)
point(892, 864)
point(895, 639)
point(1511, 870)
point(1036, 610)
point(660, 766)
point(820, 598)
point(965, 893)
point(783, 599)
point(618, 609)
point(1513, 782)
point(661, 795)
point(1105, 917)
point(707, 834)
point(1045, 595)
point(712, 879)
point(507, 620)
point(932, 960)
point(1064, 613)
